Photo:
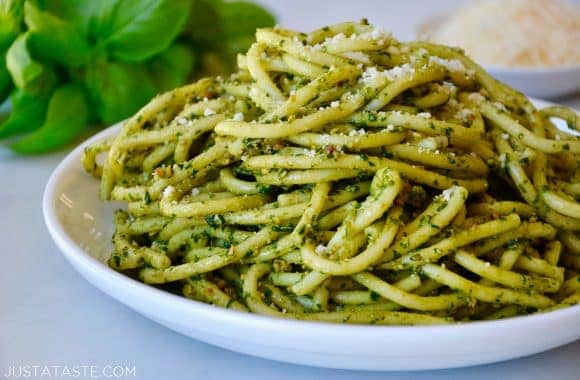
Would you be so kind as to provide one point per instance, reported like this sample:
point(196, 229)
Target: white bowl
point(540, 82)
point(81, 226)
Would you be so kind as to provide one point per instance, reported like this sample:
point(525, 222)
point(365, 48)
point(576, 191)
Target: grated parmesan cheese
point(320, 249)
point(360, 132)
point(449, 64)
point(377, 33)
point(356, 56)
point(446, 194)
point(399, 71)
point(254, 92)
point(503, 160)
point(168, 191)
point(476, 97)
point(208, 112)
point(336, 38)
point(238, 116)
point(448, 85)
point(464, 115)
point(521, 33)
point(500, 106)
point(372, 75)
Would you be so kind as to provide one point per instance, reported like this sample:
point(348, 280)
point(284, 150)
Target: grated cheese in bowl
point(513, 33)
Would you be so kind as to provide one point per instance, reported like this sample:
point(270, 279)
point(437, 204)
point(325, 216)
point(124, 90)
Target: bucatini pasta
point(344, 176)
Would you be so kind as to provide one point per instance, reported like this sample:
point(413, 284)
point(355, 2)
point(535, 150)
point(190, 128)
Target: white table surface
point(50, 316)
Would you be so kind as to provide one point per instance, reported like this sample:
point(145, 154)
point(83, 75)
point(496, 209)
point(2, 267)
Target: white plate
point(81, 226)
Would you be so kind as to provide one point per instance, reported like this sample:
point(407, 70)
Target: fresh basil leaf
point(55, 40)
point(66, 119)
point(27, 114)
point(86, 16)
point(11, 12)
point(235, 45)
point(118, 89)
point(22, 67)
point(204, 24)
point(241, 18)
point(227, 26)
point(172, 67)
point(5, 80)
point(140, 29)
point(214, 64)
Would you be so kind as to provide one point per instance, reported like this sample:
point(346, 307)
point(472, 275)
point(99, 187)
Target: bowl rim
point(78, 256)
point(568, 69)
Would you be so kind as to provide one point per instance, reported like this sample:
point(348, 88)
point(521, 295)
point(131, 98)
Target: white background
point(50, 315)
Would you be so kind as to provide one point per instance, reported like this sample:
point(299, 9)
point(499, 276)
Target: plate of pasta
point(343, 200)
